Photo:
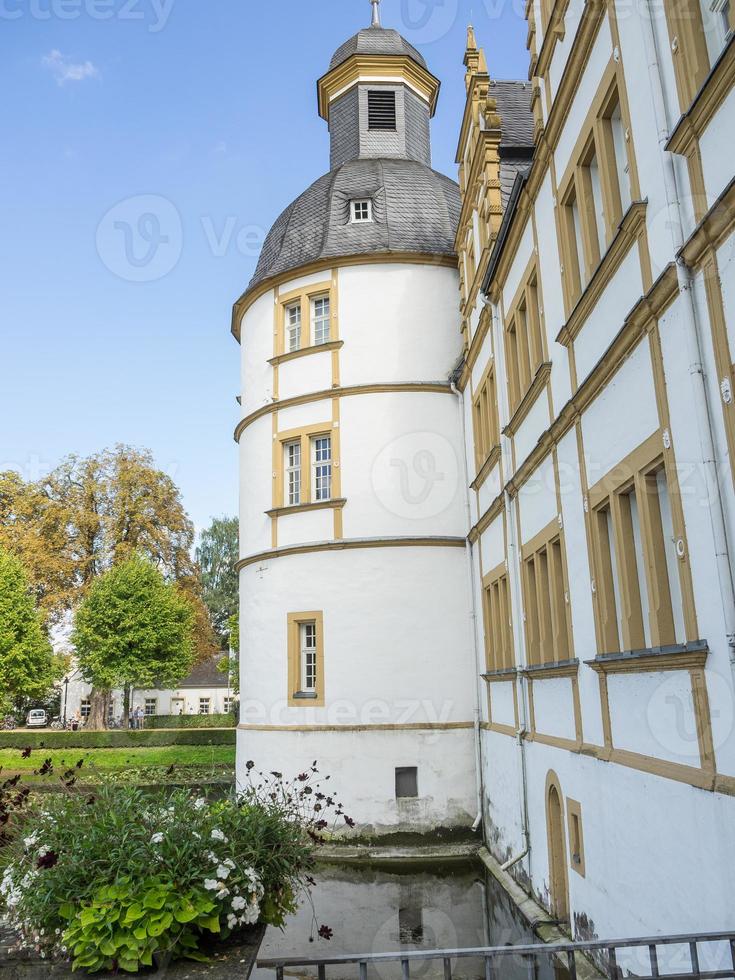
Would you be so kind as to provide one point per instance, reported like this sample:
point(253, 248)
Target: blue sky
point(180, 129)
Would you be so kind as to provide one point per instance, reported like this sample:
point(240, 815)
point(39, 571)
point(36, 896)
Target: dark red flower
point(80, 763)
point(26, 753)
point(47, 860)
point(349, 821)
point(325, 932)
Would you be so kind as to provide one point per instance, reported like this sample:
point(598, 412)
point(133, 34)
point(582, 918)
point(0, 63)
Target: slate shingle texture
point(415, 209)
point(375, 40)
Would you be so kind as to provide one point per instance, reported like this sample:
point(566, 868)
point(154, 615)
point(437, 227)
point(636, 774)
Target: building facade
point(205, 691)
point(486, 553)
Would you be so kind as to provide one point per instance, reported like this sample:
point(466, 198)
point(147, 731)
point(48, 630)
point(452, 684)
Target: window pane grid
point(320, 318)
point(293, 473)
point(322, 453)
point(293, 326)
point(308, 657)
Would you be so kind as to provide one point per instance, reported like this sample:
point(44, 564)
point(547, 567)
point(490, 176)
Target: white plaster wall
point(653, 714)
point(551, 291)
point(398, 323)
point(726, 267)
point(553, 707)
point(396, 636)
point(537, 499)
point(256, 486)
point(402, 471)
point(256, 343)
point(310, 373)
point(636, 417)
point(501, 703)
point(594, 69)
point(311, 413)
point(501, 788)
point(492, 543)
point(362, 765)
point(483, 359)
point(605, 320)
point(641, 868)
point(490, 488)
point(563, 47)
point(523, 254)
point(531, 429)
point(315, 525)
point(717, 166)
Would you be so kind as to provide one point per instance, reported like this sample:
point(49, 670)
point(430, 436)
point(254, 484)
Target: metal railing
point(606, 951)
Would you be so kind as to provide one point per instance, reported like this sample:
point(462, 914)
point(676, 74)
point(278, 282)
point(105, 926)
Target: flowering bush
point(120, 879)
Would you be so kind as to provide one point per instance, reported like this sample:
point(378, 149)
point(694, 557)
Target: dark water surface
point(376, 910)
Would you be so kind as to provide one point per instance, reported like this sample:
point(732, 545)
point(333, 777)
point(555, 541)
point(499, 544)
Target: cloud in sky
point(65, 70)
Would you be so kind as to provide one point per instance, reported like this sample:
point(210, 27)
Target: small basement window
point(382, 109)
point(406, 782)
point(361, 211)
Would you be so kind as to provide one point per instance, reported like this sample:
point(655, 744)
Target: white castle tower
point(355, 605)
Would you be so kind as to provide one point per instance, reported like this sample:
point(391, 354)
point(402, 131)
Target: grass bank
point(12, 761)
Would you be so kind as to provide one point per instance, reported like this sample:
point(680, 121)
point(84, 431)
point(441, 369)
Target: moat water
point(377, 910)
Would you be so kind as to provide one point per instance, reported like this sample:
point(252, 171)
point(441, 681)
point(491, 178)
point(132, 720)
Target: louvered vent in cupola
point(381, 109)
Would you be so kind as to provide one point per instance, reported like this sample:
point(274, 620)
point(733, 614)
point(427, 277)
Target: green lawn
point(12, 761)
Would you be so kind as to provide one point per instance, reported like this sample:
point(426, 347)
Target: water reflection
point(376, 910)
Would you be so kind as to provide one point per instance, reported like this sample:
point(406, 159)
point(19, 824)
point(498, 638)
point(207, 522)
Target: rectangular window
point(638, 589)
point(307, 633)
point(407, 782)
point(204, 704)
point(292, 451)
point(698, 32)
point(498, 631)
point(321, 452)
point(151, 707)
point(620, 156)
point(362, 211)
point(305, 659)
point(320, 319)
point(229, 705)
point(293, 326)
point(523, 342)
point(487, 435)
point(85, 708)
point(381, 109)
point(545, 596)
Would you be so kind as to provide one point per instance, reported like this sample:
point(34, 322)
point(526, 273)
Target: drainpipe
point(702, 405)
point(521, 681)
point(514, 578)
point(473, 608)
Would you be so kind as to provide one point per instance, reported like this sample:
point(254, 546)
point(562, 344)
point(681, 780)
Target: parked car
point(37, 718)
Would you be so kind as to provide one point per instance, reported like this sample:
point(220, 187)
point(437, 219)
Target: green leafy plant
point(114, 878)
point(127, 925)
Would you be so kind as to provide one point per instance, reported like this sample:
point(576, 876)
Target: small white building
point(206, 691)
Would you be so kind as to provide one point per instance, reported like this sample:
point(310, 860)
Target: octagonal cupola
point(378, 97)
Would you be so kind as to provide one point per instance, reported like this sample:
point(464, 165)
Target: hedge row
point(191, 721)
point(116, 739)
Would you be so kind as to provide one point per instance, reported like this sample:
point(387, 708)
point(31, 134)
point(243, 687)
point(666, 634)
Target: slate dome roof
point(376, 40)
point(415, 209)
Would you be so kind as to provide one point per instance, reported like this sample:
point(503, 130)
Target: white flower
point(218, 835)
point(238, 903)
point(43, 851)
point(223, 872)
point(213, 857)
point(200, 803)
point(211, 884)
point(231, 921)
point(222, 894)
point(228, 863)
point(157, 838)
point(30, 841)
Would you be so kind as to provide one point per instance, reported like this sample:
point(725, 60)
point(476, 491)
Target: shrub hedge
point(192, 721)
point(116, 739)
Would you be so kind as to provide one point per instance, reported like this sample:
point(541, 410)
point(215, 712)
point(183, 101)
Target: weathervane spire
point(376, 13)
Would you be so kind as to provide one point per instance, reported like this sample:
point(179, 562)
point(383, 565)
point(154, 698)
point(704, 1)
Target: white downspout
point(473, 610)
point(701, 402)
point(513, 573)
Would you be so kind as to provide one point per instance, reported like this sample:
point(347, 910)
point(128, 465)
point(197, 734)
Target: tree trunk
point(97, 720)
point(127, 693)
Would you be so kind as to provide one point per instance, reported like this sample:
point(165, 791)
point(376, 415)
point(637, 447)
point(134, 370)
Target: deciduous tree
point(28, 668)
point(217, 556)
point(133, 628)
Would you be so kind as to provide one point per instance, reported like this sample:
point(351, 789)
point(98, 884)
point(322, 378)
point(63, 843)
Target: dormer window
point(362, 211)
